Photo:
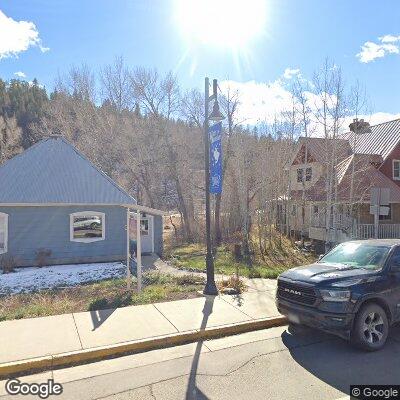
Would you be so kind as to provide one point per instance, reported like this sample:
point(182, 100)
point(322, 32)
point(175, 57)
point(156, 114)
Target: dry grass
point(281, 254)
point(101, 295)
point(233, 282)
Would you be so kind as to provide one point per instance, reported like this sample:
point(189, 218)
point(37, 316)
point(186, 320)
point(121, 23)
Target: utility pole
point(210, 287)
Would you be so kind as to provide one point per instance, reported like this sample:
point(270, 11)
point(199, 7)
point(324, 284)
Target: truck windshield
point(357, 255)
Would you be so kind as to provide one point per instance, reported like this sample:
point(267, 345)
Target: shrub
point(155, 278)
point(190, 279)
point(253, 273)
point(42, 257)
point(98, 304)
point(8, 263)
point(233, 283)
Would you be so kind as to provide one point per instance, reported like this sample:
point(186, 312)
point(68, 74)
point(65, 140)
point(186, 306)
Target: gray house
point(56, 207)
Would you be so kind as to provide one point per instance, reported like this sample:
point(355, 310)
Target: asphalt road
point(270, 364)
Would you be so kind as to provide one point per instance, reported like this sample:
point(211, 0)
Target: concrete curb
point(18, 368)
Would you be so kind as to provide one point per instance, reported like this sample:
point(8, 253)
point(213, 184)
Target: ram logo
point(292, 291)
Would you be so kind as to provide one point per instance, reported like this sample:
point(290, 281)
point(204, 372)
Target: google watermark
point(42, 390)
point(375, 392)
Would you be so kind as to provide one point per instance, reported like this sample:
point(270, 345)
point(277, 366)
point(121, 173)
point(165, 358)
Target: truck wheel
point(371, 328)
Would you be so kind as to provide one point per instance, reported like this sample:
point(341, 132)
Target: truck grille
point(297, 293)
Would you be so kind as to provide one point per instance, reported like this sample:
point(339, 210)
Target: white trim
point(144, 209)
point(87, 213)
point(5, 233)
point(152, 231)
point(139, 250)
point(395, 178)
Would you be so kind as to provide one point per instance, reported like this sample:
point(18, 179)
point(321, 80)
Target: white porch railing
point(385, 231)
point(358, 231)
point(364, 231)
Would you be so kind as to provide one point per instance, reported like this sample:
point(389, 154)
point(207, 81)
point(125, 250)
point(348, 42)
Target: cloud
point(290, 73)
point(20, 74)
point(17, 36)
point(266, 103)
point(259, 102)
point(370, 51)
point(389, 38)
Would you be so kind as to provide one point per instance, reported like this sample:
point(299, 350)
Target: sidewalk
point(48, 336)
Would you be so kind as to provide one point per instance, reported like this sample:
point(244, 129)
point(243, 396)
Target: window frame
point(83, 214)
point(387, 217)
point(308, 175)
point(5, 250)
point(300, 175)
point(395, 178)
point(145, 219)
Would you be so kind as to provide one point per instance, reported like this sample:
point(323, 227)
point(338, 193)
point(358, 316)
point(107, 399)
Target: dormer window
point(396, 170)
point(304, 173)
point(300, 175)
point(308, 174)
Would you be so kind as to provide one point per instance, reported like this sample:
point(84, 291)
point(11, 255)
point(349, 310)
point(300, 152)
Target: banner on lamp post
point(215, 135)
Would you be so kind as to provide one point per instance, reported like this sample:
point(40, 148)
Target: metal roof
point(321, 149)
point(53, 171)
point(382, 139)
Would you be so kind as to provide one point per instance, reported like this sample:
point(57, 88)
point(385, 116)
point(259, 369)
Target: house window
point(87, 226)
point(3, 233)
point(300, 175)
point(315, 209)
point(386, 217)
point(396, 170)
point(294, 210)
point(308, 174)
point(144, 227)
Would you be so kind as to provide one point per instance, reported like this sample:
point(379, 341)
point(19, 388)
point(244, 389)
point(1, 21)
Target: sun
point(225, 23)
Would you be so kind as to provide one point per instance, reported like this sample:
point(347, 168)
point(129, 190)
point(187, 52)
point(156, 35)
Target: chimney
point(360, 126)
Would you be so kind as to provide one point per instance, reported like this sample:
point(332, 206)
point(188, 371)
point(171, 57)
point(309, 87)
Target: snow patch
point(32, 279)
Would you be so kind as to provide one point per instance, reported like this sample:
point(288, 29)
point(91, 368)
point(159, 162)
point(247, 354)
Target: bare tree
point(160, 98)
point(117, 85)
point(79, 82)
point(10, 138)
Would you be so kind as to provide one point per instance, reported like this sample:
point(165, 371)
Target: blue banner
point(215, 135)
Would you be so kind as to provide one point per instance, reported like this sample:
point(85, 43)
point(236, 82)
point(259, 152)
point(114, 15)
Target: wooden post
point(138, 252)
point(128, 252)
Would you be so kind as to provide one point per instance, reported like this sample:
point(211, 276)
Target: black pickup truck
point(353, 291)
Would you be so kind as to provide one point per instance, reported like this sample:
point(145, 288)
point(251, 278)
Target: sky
point(259, 46)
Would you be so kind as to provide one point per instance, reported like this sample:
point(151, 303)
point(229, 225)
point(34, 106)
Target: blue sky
point(296, 35)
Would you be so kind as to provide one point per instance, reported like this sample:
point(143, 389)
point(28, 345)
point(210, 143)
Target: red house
point(334, 182)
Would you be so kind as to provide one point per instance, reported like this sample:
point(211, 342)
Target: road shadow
point(192, 391)
point(337, 363)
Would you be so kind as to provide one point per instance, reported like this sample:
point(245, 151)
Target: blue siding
point(32, 228)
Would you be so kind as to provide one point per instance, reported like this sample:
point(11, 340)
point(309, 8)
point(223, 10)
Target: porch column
point(128, 252)
point(138, 252)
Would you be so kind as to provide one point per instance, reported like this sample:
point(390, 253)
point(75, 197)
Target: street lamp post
point(210, 287)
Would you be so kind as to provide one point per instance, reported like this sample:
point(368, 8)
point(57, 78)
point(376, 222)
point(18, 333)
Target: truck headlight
point(335, 295)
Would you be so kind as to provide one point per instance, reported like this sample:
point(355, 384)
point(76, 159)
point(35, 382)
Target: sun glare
point(226, 23)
